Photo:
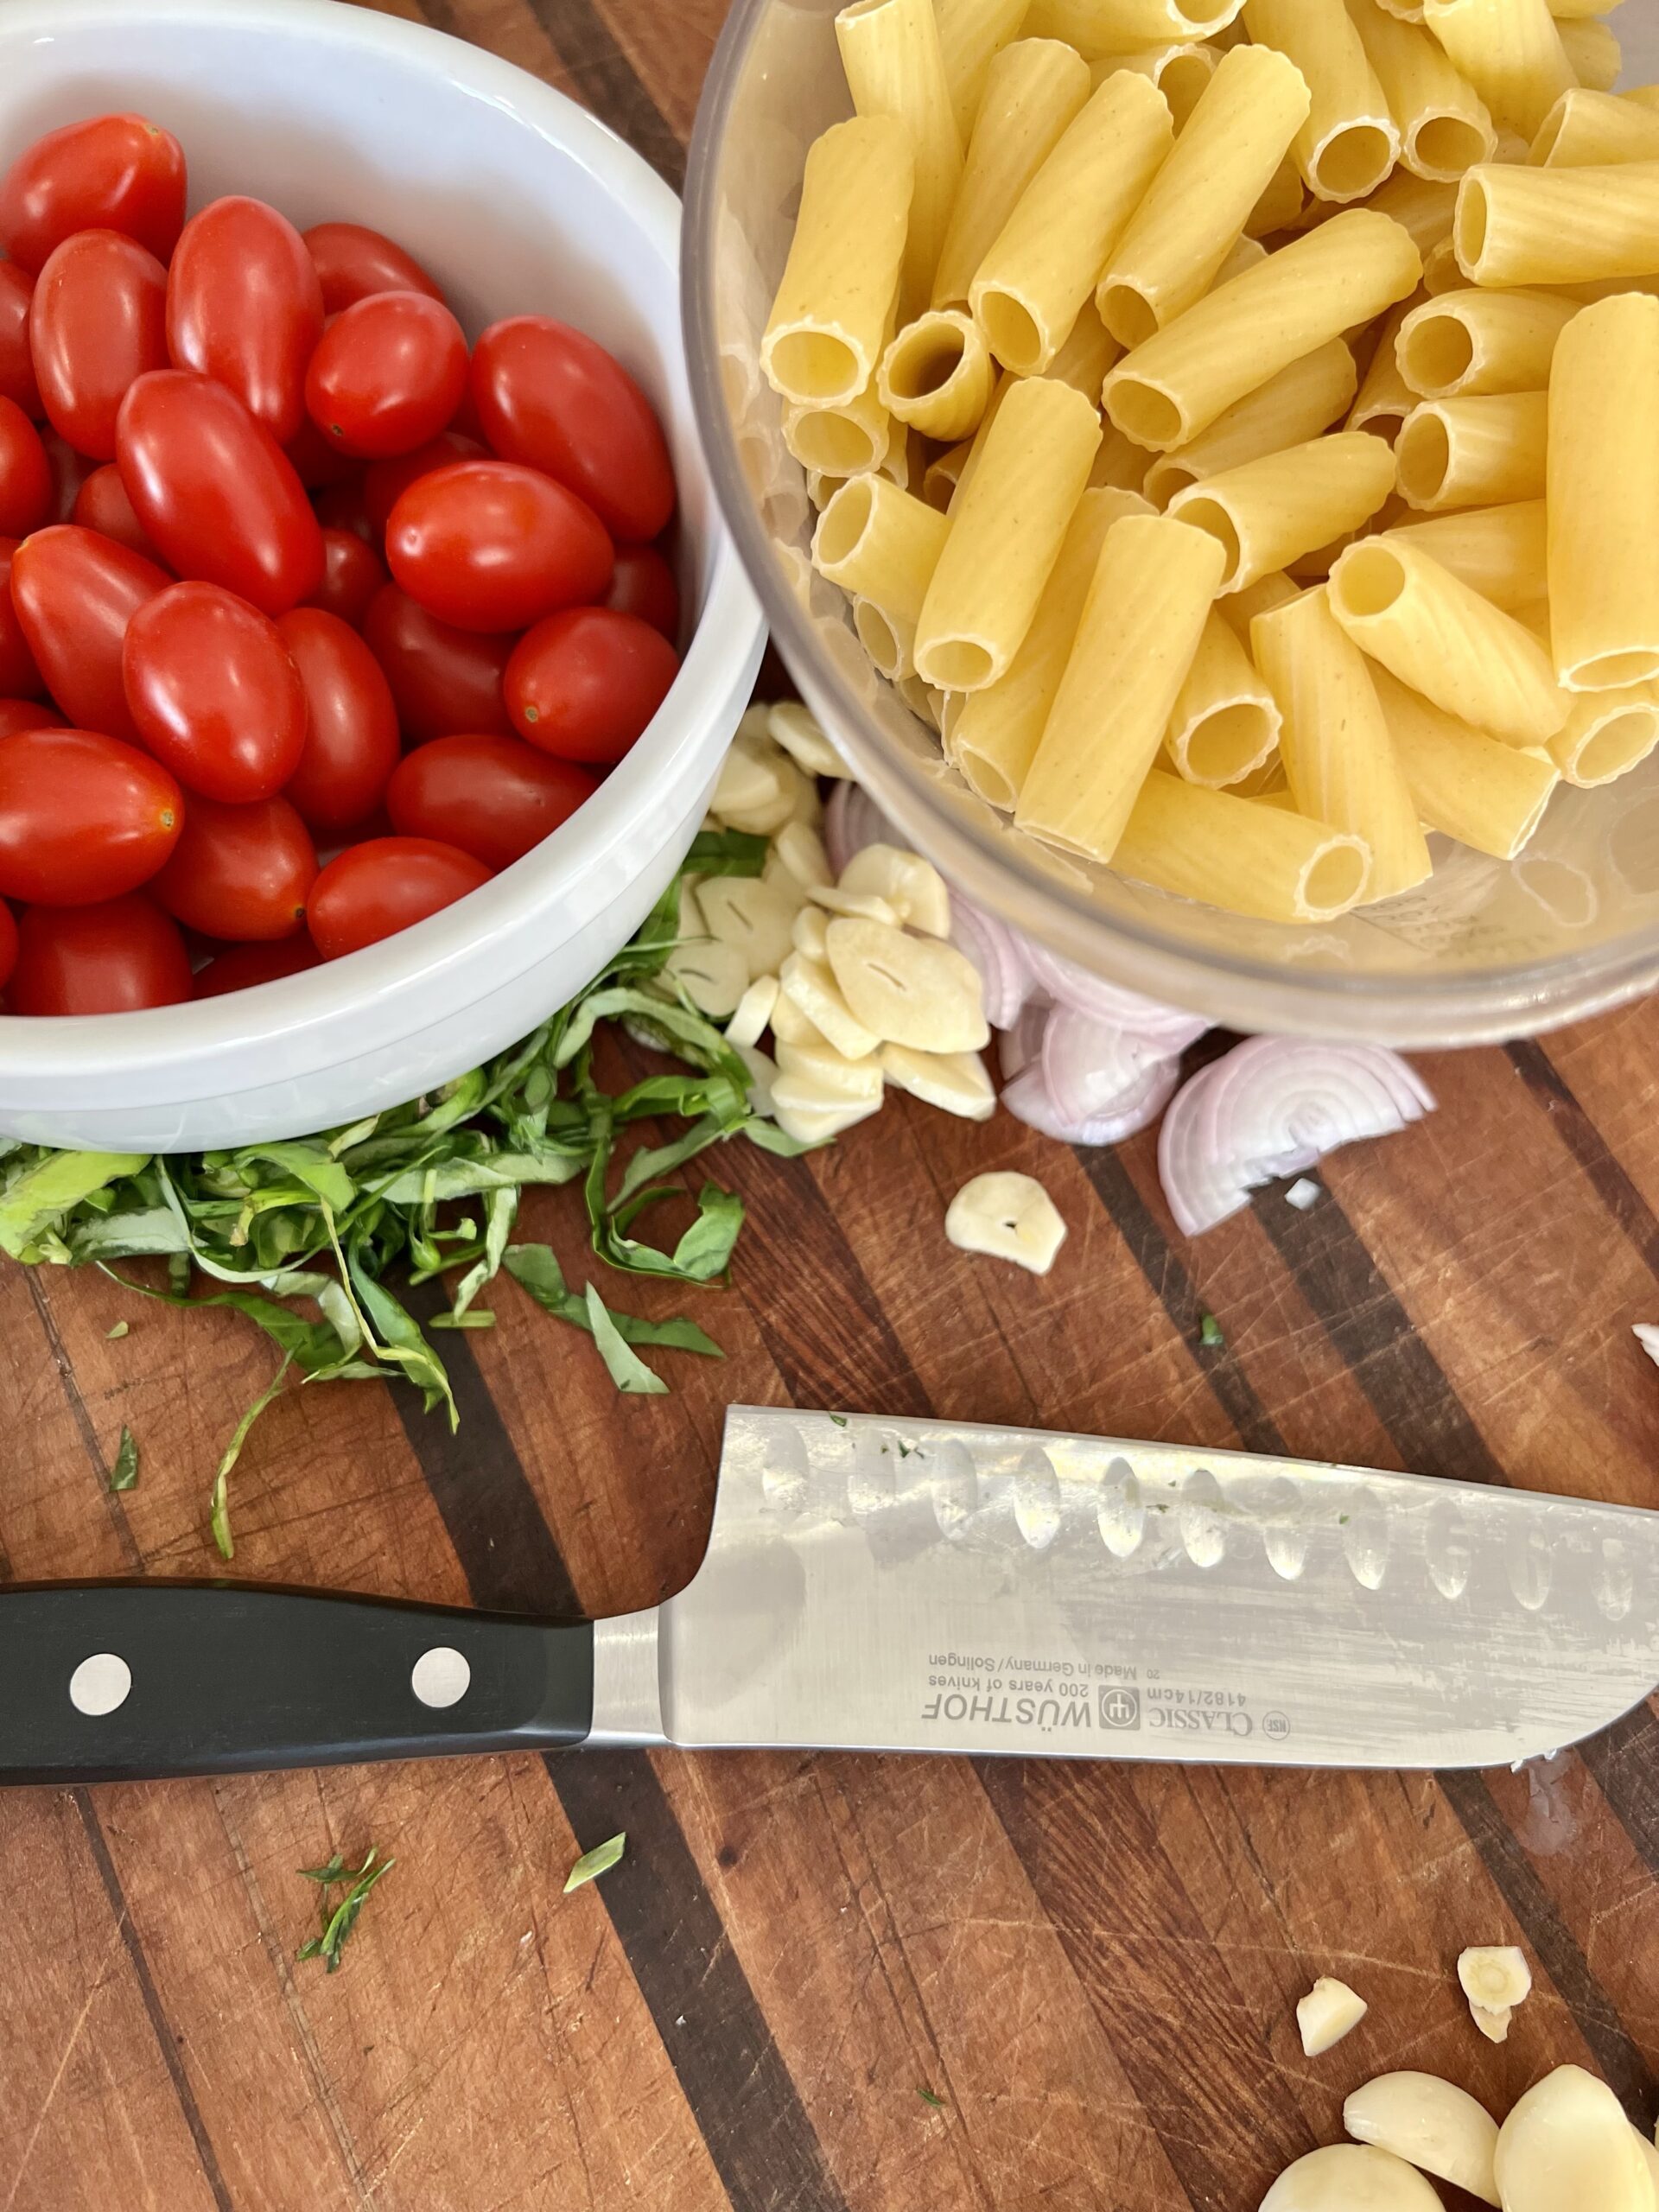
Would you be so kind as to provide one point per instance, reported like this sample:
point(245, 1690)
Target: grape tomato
point(387, 374)
point(491, 546)
point(110, 172)
point(97, 323)
point(443, 680)
point(19, 677)
point(16, 363)
point(351, 261)
point(102, 505)
point(25, 473)
point(27, 713)
point(384, 482)
point(494, 796)
point(584, 684)
point(116, 957)
point(82, 816)
point(241, 873)
point(243, 966)
point(374, 890)
point(8, 944)
point(245, 307)
point(351, 742)
point(69, 469)
point(642, 583)
point(213, 693)
point(352, 574)
point(75, 593)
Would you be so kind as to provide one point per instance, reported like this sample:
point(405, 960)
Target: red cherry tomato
point(8, 944)
point(18, 674)
point(116, 957)
point(489, 545)
point(75, 594)
point(111, 172)
point(387, 374)
point(245, 307)
point(215, 491)
point(69, 469)
point(97, 322)
point(443, 679)
point(352, 574)
point(17, 365)
point(583, 685)
point(341, 507)
point(492, 796)
point(316, 463)
point(242, 967)
point(27, 714)
point(384, 482)
point(240, 872)
point(353, 261)
point(25, 473)
point(82, 817)
point(102, 505)
point(642, 583)
point(374, 890)
point(550, 396)
point(351, 742)
point(213, 693)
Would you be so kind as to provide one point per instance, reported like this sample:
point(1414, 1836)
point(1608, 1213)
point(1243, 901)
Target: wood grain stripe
point(606, 81)
point(759, 2136)
point(166, 2040)
point(1604, 1173)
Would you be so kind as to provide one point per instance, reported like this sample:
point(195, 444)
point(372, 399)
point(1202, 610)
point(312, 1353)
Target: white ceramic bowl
point(518, 202)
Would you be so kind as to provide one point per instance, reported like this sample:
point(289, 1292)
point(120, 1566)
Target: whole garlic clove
point(1493, 2024)
point(1352, 2177)
point(958, 1083)
point(1567, 2147)
point(1328, 2012)
point(753, 1011)
point(798, 852)
point(809, 932)
point(750, 913)
point(813, 987)
point(908, 991)
point(1431, 2124)
point(1006, 1216)
point(797, 730)
point(714, 976)
point(1495, 1975)
point(912, 887)
point(1649, 2159)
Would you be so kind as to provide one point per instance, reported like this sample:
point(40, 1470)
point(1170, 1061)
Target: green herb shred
point(338, 1919)
point(124, 1474)
point(592, 1864)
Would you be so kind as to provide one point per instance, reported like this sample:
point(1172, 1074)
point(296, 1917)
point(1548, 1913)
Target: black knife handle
point(230, 1677)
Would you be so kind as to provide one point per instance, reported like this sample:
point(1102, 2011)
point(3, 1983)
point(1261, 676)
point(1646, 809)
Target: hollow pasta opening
point(1011, 332)
point(812, 365)
point(1369, 580)
point(1469, 224)
point(1145, 414)
point(1128, 315)
point(1354, 161)
point(985, 778)
point(925, 357)
point(1443, 146)
point(833, 443)
point(958, 664)
point(1182, 81)
point(939, 484)
point(1164, 479)
point(879, 639)
point(1613, 671)
point(1437, 353)
point(1226, 745)
point(1621, 741)
point(1334, 878)
point(1424, 453)
point(1210, 516)
point(844, 522)
point(1548, 136)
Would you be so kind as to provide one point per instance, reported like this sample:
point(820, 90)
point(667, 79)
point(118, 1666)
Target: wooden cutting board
point(1092, 1970)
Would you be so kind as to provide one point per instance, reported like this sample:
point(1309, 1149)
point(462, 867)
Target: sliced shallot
point(1067, 984)
point(1001, 955)
point(1274, 1106)
point(1095, 1072)
point(852, 820)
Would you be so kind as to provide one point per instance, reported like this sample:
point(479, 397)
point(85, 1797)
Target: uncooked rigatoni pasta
point(829, 319)
point(894, 63)
point(1511, 53)
point(1349, 142)
point(1240, 855)
point(1225, 723)
point(1268, 513)
point(1298, 403)
point(1032, 90)
point(1445, 126)
point(1473, 453)
point(880, 542)
point(1473, 342)
point(1586, 129)
point(1499, 551)
point(937, 375)
point(1520, 226)
point(1469, 786)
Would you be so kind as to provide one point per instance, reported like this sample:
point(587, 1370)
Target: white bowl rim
point(38, 1049)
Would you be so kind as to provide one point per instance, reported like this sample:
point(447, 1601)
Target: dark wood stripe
point(608, 83)
point(166, 2042)
point(1625, 1761)
point(1623, 2067)
point(759, 2136)
point(1605, 1175)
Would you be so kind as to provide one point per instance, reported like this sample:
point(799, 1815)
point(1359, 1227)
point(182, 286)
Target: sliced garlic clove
point(797, 730)
point(752, 783)
point(958, 1083)
point(763, 1073)
point(790, 1026)
point(747, 912)
point(808, 809)
point(833, 1079)
point(1328, 2012)
point(1493, 2024)
point(1431, 2124)
point(800, 852)
point(713, 976)
point(1567, 2147)
point(836, 899)
point(753, 1011)
point(912, 887)
point(1352, 2177)
point(809, 932)
point(1006, 1216)
point(795, 1093)
point(690, 921)
point(1496, 1976)
point(755, 723)
point(813, 987)
point(818, 1128)
point(908, 991)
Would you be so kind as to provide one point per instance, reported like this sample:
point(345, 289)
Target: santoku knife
point(914, 1586)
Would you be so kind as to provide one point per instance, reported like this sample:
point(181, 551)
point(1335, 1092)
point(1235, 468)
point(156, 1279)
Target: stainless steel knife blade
point(930, 1586)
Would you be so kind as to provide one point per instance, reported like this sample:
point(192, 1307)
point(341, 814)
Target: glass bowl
point(1487, 949)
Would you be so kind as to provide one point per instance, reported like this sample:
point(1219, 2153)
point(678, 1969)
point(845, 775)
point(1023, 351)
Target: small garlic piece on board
point(1352, 2177)
point(1328, 2012)
point(1493, 2023)
point(1495, 1975)
point(1430, 2123)
point(1567, 2147)
point(1006, 1216)
point(907, 990)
